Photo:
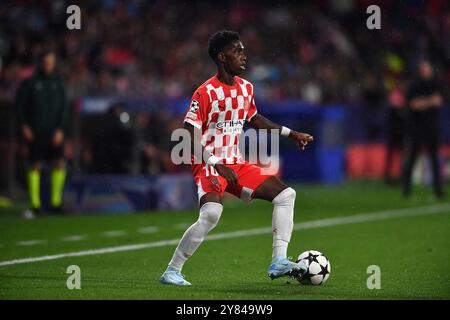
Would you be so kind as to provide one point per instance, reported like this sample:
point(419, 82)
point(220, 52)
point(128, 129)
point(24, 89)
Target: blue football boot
point(282, 266)
point(173, 277)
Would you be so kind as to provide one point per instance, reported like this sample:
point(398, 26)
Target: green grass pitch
point(413, 252)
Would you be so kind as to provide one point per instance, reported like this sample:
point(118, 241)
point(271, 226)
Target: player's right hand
point(227, 173)
point(27, 133)
point(301, 139)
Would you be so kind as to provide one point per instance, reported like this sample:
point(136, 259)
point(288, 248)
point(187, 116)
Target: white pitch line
point(114, 233)
point(365, 217)
point(30, 242)
point(149, 229)
point(76, 237)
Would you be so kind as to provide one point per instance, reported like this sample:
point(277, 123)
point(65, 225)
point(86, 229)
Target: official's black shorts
point(42, 149)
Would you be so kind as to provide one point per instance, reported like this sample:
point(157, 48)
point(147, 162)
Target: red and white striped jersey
point(219, 111)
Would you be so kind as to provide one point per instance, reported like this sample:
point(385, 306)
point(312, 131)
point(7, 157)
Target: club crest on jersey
point(194, 106)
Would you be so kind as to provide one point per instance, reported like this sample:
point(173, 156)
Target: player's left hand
point(301, 139)
point(58, 137)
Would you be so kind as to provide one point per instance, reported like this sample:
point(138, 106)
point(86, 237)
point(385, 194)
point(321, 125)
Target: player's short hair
point(219, 40)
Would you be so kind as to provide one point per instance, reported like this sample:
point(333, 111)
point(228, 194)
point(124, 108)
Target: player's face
point(426, 70)
point(48, 63)
point(235, 60)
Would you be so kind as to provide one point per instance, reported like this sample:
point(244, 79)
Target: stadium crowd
point(156, 49)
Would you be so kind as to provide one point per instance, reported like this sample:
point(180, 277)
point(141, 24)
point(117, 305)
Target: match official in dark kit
point(41, 106)
point(424, 99)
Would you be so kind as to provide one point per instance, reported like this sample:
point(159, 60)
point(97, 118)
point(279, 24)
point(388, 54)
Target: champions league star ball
point(319, 268)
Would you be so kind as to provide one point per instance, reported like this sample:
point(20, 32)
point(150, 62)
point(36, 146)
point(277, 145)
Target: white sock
point(209, 215)
point(282, 221)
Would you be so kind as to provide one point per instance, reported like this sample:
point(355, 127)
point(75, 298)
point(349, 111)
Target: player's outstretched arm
point(224, 171)
point(301, 139)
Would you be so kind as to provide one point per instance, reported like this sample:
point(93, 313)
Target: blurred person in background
point(41, 107)
point(395, 131)
point(373, 104)
point(424, 99)
point(112, 145)
point(152, 137)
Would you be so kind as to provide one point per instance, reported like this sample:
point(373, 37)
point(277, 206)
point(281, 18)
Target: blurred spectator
point(111, 147)
point(152, 136)
point(374, 102)
point(424, 101)
point(395, 131)
point(309, 51)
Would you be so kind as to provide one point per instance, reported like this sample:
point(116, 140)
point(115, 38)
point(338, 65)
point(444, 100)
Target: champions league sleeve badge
point(195, 105)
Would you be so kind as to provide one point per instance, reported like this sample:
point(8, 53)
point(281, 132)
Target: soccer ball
point(319, 268)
